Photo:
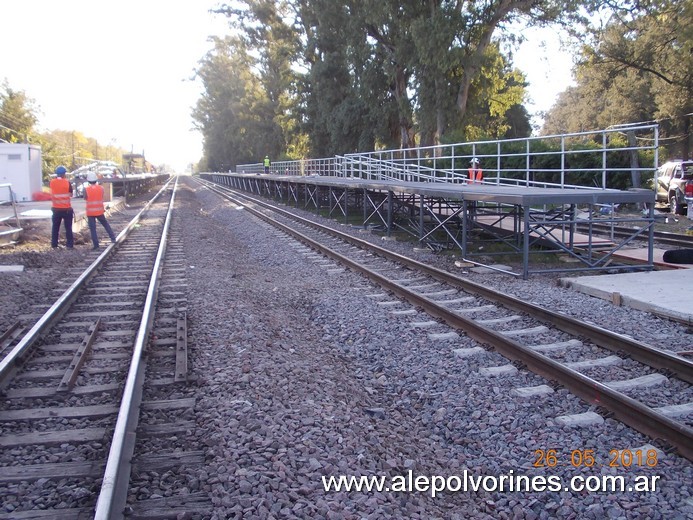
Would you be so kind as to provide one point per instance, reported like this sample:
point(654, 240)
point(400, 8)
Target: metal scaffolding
point(531, 201)
point(520, 221)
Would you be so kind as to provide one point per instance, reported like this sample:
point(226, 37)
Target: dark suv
point(674, 184)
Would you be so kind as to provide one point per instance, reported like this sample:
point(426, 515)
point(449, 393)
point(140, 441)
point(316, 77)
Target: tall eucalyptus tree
point(234, 113)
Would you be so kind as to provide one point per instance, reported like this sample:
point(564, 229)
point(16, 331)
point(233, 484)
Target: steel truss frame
point(463, 221)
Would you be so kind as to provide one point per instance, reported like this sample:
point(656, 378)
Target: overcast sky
point(119, 71)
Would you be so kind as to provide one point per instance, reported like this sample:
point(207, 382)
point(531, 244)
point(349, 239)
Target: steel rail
point(113, 494)
point(626, 409)
point(15, 357)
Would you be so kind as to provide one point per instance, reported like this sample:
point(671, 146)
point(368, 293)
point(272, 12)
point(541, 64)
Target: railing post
point(604, 162)
point(562, 161)
point(528, 164)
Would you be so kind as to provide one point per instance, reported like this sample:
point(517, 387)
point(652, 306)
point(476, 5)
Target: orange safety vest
point(476, 175)
point(60, 193)
point(94, 195)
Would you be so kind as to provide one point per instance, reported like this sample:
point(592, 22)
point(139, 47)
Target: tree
point(354, 75)
point(234, 114)
point(497, 90)
point(601, 100)
point(455, 53)
point(345, 107)
point(643, 58)
point(418, 52)
point(18, 118)
point(266, 30)
point(17, 115)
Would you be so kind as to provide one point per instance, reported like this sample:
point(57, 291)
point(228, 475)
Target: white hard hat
point(474, 160)
point(91, 177)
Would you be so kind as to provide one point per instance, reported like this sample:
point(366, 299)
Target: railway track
point(77, 415)
point(660, 237)
point(69, 478)
point(561, 349)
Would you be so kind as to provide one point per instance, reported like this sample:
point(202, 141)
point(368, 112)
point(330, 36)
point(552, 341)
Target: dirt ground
point(664, 221)
point(675, 224)
point(43, 268)
point(36, 239)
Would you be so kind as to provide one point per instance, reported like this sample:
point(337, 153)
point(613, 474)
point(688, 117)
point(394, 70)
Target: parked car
point(674, 185)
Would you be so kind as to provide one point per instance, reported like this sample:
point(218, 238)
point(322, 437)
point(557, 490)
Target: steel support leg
point(390, 206)
point(525, 246)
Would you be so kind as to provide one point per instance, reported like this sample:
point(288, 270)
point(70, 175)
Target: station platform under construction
point(482, 220)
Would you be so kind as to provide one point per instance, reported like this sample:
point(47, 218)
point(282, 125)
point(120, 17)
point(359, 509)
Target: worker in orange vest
point(93, 194)
point(61, 193)
point(475, 172)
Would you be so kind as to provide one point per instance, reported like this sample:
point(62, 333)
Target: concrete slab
point(664, 293)
point(532, 391)
point(557, 347)
point(531, 331)
point(36, 213)
point(580, 419)
point(638, 382)
point(11, 268)
point(408, 312)
point(444, 336)
point(676, 410)
point(503, 370)
point(468, 352)
point(41, 209)
point(423, 324)
point(466, 299)
point(608, 361)
point(473, 310)
point(499, 321)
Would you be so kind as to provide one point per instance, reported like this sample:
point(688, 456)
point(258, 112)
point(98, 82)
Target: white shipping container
point(20, 166)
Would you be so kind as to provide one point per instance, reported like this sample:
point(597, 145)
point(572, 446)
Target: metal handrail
point(11, 200)
point(449, 162)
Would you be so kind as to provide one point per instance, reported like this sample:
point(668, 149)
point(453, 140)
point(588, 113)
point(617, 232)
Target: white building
point(20, 166)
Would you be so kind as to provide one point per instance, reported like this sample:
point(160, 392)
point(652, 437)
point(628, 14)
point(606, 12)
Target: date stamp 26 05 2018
point(587, 458)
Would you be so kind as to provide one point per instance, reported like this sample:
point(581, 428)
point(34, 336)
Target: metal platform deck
point(517, 220)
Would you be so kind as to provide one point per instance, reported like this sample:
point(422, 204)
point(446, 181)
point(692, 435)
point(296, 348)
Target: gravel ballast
point(302, 375)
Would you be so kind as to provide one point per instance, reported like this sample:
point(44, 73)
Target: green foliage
point(18, 118)
point(234, 115)
point(638, 67)
point(18, 115)
point(325, 77)
point(250, 107)
point(544, 163)
point(354, 75)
